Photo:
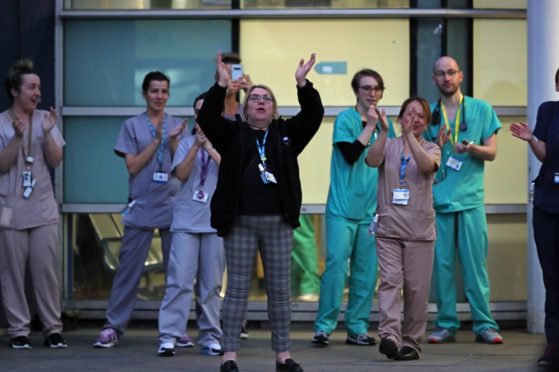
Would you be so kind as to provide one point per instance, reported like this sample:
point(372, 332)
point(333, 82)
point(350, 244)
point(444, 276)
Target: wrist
point(533, 139)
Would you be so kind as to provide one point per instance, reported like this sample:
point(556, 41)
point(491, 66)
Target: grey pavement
point(137, 352)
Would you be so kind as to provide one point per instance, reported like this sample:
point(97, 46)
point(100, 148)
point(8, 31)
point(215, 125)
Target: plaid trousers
point(273, 237)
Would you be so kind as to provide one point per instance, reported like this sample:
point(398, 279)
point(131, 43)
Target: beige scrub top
point(415, 221)
point(17, 213)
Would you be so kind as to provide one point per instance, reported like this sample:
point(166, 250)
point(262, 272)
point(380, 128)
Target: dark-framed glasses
point(450, 73)
point(369, 89)
point(258, 98)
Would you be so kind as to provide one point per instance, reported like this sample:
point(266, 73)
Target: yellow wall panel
point(271, 49)
point(500, 66)
point(500, 4)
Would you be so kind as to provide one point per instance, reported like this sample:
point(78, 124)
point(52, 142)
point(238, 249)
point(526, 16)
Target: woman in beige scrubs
point(405, 227)
point(30, 144)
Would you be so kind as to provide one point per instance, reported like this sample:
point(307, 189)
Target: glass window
point(499, 61)
point(93, 173)
point(341, 4)
point(105, 60)
point(271, 50)
point(145, 4)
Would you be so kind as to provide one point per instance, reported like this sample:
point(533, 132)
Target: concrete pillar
point(543, 61)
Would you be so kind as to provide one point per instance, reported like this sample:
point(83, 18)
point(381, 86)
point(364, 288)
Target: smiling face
point(28, 95)
point(157, 95)
point(369, 92)
point(260, 107)
point(415, 111)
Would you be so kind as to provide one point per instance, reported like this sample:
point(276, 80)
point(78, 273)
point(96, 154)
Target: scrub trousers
point(347, 240)
point(133, 253)
point(546, 235)
point(37, 246)
point(304, 260)
point(462, 234)
point(194, 257)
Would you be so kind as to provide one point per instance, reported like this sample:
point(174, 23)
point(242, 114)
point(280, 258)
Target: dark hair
point(424, 105)
point(14, 76)
point(200, 96)
point(230, 58)
point(154, 76)
point(557, 77)
point(366, 72)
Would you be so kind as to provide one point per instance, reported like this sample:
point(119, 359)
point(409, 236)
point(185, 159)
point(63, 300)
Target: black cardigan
point(286, 140)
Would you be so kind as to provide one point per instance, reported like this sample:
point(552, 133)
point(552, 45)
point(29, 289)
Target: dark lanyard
point(205, 159)
point(154, 134)
point(403, 165)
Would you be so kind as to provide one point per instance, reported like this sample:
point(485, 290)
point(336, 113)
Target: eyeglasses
point(450, 73)
point(369, 89)
point(258, 98)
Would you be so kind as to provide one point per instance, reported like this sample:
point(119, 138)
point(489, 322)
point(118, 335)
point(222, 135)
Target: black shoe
point(388, 348)
point(550, 356)
point(20, 342)
point(55, 341)
point(289, 365)
point(321, 338)
point(361, 340)
point(407, 353)
point(229, 366)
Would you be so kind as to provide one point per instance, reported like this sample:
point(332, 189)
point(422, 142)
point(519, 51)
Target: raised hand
point(303, 69)
point(443, 136)
point(19, 126)
point(178, 129)
point(221, 72)
point(200, 136)
point(50, 120)
point(521, 131)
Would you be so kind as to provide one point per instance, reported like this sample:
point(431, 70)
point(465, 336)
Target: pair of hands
point(301, 72)
point(49, 121)
point(444, 136)
point(244, 82)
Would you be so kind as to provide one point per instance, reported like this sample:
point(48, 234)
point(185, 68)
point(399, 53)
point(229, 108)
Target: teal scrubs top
point(353, 187)
point(453, 190)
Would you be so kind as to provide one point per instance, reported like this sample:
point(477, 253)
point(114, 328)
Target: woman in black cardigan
point(258, 198)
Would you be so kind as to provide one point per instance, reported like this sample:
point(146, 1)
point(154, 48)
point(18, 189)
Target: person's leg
point(181, 272)
point(340, 236)
point(276, 239)
point(133, 253)
point(443, 271)
point(43, 264)
point(210, 275)
point(362, 281)
point(472, 248)
point(546, 236)
point(166, 241)
point(240, 249)
point(417, 265)
point(304, 261)
point(14, 250)
point(389, 252)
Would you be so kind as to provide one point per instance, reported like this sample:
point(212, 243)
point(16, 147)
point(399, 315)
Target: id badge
point(556, 178)
point(27, 179)
point(27, 192)
point(400, 196)
point(454, 163)
point(200, 196)
point(160, 177)
point(270, 177)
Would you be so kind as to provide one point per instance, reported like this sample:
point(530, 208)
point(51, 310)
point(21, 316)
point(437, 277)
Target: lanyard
point(205, 159)
point(262, 148)
point(456, 120)
point(154, 134)
point(403, 165)
point(27, 154)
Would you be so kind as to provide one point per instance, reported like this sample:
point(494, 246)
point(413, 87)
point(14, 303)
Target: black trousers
point(546, 235)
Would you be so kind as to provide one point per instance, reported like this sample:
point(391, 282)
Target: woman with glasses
point(404, 227)
point(257, 200)
point(352, 199)
point(30, 144)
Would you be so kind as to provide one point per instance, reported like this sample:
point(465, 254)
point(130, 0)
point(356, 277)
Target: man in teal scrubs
point(466, 129)
point(352, 200)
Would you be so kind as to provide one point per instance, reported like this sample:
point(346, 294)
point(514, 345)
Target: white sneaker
point(166, 349)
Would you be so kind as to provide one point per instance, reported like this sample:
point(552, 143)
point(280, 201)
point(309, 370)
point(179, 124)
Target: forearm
point(8, 155)
point(52, 151)
point(375, 157)
point(482, 152)
point(425, 162)
point(183, 170)
point(366, 134)
point(135, 163)
point(538, 148)
point(213, 153)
